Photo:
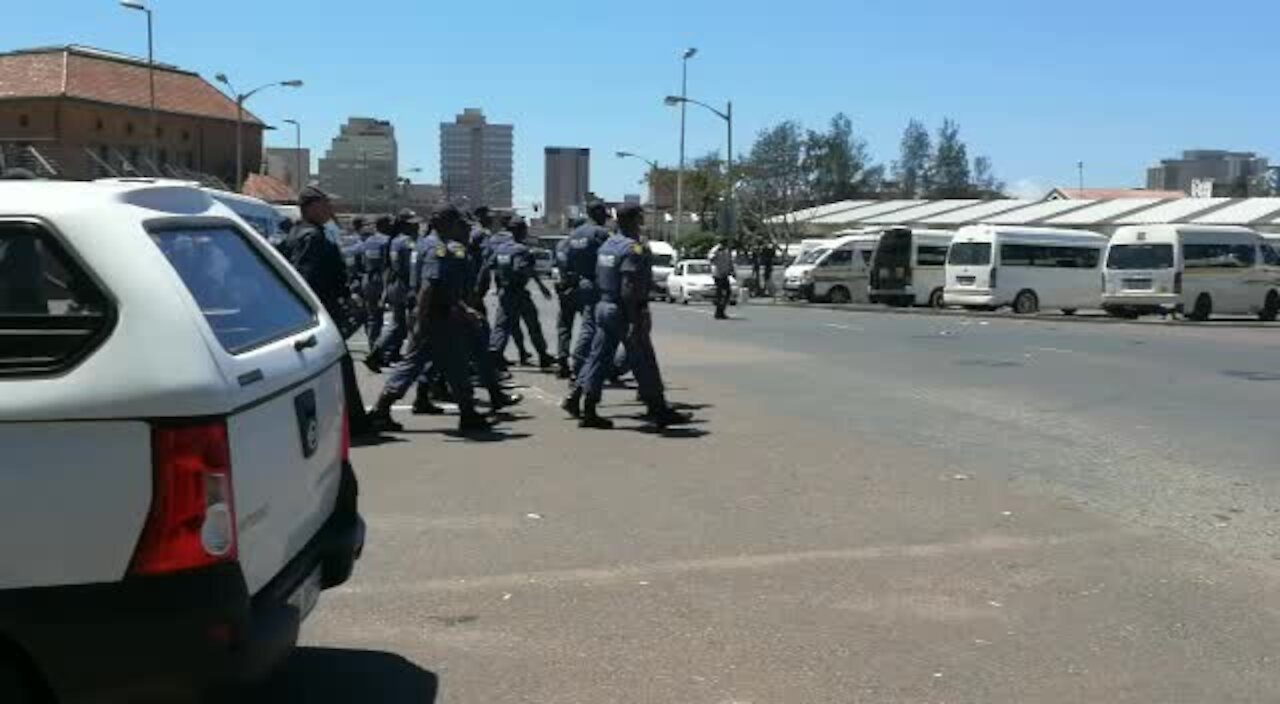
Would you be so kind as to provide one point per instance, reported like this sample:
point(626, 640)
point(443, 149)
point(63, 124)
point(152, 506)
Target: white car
point(175, 489)
point(691, 280)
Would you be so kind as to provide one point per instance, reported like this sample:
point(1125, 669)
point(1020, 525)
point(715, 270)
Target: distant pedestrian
point(721, 257)
point(566, 309)
point(372, 261)
point(624, 275)
point(514, 267)
point(317, 258)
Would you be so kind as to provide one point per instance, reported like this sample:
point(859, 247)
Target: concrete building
point(1224, 173)
point(75, 112)
point(662, 189)
point(422, 198)
point(567, 180)
point(477, 160)
point(288, 165)
point(361, 168)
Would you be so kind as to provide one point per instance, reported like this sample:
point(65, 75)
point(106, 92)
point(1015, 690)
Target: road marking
point(673, 568)
point(1052, 349)
point(851, 328)
point(542, 395)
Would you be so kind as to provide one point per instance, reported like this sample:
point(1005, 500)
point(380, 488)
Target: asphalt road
point(873, 508)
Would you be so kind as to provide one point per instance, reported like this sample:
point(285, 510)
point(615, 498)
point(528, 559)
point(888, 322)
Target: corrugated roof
point(913, 215)
point(818, 211)
point(1033, 214)
point(1110, 193)
point(1243, 212)
point(1171, 211)
point(861, 214)
point(269, 188)
point(1103, 211)
point(88, 74)
point(976, 213)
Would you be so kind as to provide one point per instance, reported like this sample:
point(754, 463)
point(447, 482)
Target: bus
point(1028, 269)
point(838, 273)
point(1196, 269)
point(908, 267)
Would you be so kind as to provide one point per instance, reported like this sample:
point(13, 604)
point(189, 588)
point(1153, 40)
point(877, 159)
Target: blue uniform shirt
point(620, 255)
point(584, 245)
point(373, 255)
point(514, 263)
point(445, 266)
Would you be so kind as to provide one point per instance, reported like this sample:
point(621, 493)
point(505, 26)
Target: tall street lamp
point(653, 174)
point(684, 92)
point(727, 116)
point(240, 100)
point(151, 72)
point(297, 154)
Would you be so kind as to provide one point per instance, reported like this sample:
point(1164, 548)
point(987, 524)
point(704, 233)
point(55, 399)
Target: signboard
point(1202, 188)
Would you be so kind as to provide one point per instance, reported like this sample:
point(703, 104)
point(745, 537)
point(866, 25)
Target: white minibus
point(908, 267)
point(1198, 269)
point(1026, 268)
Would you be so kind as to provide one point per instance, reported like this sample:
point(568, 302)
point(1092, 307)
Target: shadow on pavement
point(453, 434)
point(339, 676)
point(374, 440)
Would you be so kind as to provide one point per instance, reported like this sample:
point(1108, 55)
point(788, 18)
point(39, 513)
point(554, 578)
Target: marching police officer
point(584, 245)
point(319, 261)
point(372, 261)
point(399, 294)
point(567, 308)
point(442, 318)
point(514, 266)
point(624, 277)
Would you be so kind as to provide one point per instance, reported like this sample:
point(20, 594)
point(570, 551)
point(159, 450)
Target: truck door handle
point(305, 343)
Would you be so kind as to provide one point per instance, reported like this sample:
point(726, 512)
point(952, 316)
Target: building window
point(98, 125)
point(24, 120)
point(128, 128)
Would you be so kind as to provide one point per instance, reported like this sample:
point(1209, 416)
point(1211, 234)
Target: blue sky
point(1037, 86)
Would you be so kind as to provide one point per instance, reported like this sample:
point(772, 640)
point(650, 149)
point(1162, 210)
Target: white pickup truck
point(175, 482)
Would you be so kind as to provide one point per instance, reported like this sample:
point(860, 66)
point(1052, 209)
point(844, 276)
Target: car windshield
point(812, 256)
point(662, 259)
point(1140, 256)
point(697, 269)
point(970, 254)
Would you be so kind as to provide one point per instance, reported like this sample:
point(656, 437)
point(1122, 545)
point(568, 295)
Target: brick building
point(80, 113)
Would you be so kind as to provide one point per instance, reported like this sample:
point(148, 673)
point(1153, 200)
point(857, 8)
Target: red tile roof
point(269, 188)
point(1112, 193)
point(89, 74)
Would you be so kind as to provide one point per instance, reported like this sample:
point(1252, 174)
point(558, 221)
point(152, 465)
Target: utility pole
point(684, 94)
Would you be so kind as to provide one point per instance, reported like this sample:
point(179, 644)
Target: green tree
point(985, 183)
point(838, 163)
point(775, 181)
point(915, 157)
point(950, 176)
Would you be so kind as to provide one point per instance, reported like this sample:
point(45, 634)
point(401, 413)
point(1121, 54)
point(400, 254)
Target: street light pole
point(684, 94)
point(240, 101)
point(653, 173)
point(151, 75)
point(297, 154)
point(1080, 168)
point(727, 116)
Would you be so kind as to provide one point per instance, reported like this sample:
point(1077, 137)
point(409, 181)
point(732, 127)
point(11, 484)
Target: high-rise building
point(568, 178)
point(1209, 170)
point(476, 160)
point(291, 166)
point(361, 167)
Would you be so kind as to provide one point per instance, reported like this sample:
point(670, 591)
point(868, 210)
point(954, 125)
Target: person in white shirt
point(721, 257)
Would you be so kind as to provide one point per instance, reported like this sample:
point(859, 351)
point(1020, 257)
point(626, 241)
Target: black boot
point(422, 406)
point(572, 404)
point(562, 369)
point(546, 361)
point(380, 420)
point(373, 363)
point(472, 422)
point(591, 419)
point(499, 399)
point(664, 416)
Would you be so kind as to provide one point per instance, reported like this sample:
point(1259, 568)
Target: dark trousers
point(356, 417)
point(388, 344)
point(516, 306)
point(723, 293)
point(373, 313)
point(444, 344)
point(612, 329)
point(567, 311)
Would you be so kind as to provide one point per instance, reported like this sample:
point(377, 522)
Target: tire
point(1203, 308)
point(936, 299)
point(15, 686)
point(1068, 311)
point(1026, 303)
point(839, 294)
point(684, 300)
point(1271, 309)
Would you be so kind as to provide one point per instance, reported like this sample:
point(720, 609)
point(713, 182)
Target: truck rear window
point(52, 315)
point(244, 299)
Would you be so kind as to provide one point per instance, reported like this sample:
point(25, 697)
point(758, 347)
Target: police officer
point(567, 308)
point(624, 277)
point(315, 256)
point(584, 245)
point(514, 266)
point(441, 331)
point(399, 294)
point(372, 261)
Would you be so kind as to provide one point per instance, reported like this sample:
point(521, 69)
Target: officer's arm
point(424, 303)
point(537, 278)
point(634, 294)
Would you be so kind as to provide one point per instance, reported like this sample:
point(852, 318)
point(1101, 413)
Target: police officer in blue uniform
point(371, 261)
point(584, 245)
point(400, 291)
point(624, 277)
point(442, 317)
point(514, 266)
point(567, 307)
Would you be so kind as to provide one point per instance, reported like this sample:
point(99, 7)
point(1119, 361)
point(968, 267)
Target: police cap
point(406, 215)
point(448, 216)
point(630, 211)
point(383, 221)
point(310, 195)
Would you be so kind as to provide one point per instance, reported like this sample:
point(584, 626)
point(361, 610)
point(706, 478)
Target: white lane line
point(1053, 349)
point(542, 395)
point(448, 407)
point(852, 328)
point(695, 311)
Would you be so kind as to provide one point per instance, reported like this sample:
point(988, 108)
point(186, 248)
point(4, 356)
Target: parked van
point(1026, 268)
point(908, 267)
point(797, 279)
point(664, 261)
point(838, 273)
point(1194, 268)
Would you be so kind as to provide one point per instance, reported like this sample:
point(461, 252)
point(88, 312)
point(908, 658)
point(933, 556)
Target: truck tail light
point(192, 522)
point(1177, 283)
